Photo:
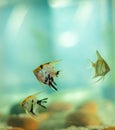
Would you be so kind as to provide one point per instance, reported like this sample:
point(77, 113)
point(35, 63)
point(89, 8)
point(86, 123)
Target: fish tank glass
point(57, 64)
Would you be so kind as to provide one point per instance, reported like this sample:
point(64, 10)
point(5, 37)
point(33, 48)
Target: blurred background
point(33, 32)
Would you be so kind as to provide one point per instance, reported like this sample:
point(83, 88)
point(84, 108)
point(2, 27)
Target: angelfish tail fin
point(57, 73)
point(42, 101)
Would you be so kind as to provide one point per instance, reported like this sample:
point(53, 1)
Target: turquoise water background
point(38, 31)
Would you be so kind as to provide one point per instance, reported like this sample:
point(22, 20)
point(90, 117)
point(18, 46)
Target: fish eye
point(40, 72)
point(23, 104)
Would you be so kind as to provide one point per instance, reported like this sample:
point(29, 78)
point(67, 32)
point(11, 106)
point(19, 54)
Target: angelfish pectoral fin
point(42, 101)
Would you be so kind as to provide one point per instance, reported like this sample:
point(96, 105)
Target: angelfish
point(101, 68)
point(46, 73)
point(31, 105)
